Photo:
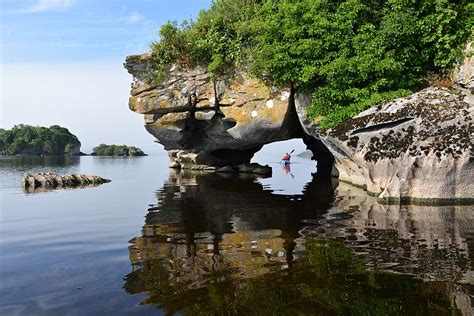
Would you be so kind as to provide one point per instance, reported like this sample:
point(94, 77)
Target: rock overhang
point(204, 116)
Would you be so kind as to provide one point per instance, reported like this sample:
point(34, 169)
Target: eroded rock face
point(207, 122)
point(413, 149)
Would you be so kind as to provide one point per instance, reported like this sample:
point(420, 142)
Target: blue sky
point(74, 30)
point(61, 62)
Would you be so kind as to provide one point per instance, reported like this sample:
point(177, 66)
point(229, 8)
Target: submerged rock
point(182, 159)
point(48, 180)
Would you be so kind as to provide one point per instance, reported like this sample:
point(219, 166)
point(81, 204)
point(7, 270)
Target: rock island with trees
point(54, 141)
point(39, 141)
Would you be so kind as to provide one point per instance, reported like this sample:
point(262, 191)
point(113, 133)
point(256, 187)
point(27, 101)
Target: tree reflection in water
point(219, 244)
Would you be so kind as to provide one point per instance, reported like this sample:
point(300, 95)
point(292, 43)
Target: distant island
point(39, 141)
point(117, 150)
point(27, 140)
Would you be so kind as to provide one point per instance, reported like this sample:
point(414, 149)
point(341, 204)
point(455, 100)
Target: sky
point(61, 62)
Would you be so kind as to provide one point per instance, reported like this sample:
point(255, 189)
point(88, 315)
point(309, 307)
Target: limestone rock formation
point(210, 123)
point(413, 149)
point(48, 180)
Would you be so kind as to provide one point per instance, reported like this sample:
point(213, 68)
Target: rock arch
point(417, 149)
point(216, 124)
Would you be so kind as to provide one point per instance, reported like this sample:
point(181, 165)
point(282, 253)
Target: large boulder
point(210, 122)
point(413, 149)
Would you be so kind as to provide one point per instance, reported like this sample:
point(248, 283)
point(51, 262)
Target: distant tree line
point(349, 54)
point(39, 141)
point(117, 150)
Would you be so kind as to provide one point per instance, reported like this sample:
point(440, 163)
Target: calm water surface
point(159, 241)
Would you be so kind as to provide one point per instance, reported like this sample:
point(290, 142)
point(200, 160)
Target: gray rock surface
point(48, 180)
point(413, 149)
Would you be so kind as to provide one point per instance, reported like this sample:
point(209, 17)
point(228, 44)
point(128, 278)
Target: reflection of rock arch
point(203, 221)
point(209, 228)
point(208, 222)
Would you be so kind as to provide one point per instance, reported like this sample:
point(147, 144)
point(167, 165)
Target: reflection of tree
point(21, 163)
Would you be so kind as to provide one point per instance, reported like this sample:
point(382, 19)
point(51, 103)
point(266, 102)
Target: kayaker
point(286, 157)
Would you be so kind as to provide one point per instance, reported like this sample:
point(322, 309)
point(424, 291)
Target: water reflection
point(13, 167)
point(431, 242)
point(286, 167)
point(290, 179)
point(42, 189)
point(216, 244)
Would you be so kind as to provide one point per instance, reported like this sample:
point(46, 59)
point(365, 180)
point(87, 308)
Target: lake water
point(160, 241)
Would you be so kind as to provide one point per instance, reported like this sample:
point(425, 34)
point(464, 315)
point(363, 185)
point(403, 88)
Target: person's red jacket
point(286, 157)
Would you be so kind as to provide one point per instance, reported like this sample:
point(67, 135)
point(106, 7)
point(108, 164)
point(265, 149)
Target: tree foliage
point(349, 54)
point(35, 140)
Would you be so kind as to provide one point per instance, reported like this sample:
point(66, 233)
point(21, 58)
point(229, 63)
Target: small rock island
point(117, 150)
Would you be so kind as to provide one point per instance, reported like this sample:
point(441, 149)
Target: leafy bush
point(348, 54)
point(35, 140)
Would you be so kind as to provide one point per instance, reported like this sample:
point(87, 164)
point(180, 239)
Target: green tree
point(31, 140)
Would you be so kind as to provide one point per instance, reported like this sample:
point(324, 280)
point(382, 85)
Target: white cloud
point(133, 17)
point(47, 5)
